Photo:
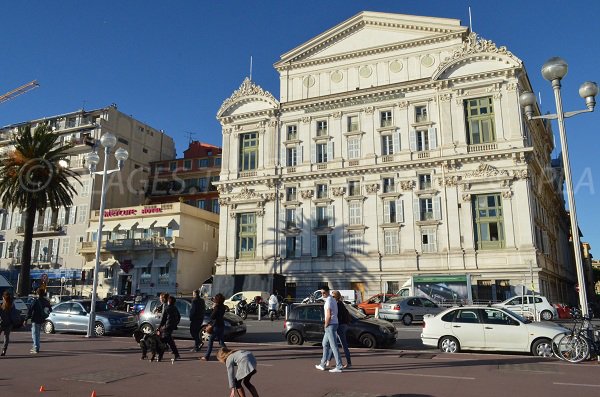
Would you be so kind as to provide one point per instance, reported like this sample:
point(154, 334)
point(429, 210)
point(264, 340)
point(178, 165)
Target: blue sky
point(172, 63)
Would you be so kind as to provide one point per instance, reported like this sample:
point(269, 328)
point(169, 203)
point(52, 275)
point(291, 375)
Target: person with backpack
point(38, 313)
point(10, 318)
point(344, 320)
point(168, 324)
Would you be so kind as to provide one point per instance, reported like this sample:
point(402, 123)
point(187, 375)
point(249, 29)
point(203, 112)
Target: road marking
point(423, 375)
point(575, 384)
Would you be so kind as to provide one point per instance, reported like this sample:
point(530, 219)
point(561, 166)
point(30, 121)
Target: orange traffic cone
point(93, 393)
point(42, 388)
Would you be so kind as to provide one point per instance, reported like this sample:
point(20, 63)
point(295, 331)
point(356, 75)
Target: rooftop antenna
point(250, 67)
point(189, 135)
point(470, 20)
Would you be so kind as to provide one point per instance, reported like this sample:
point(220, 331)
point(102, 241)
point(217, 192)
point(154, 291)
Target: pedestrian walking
point(241, 366)
point(38, 313)
point(218, 325)
point(10, 318)
point(168, 324)
point(330, 336)
point(344, 319)
point(196, 319)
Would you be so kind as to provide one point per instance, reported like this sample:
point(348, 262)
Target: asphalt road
point(71, 365)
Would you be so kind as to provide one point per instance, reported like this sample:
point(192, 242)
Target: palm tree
point(33, 178)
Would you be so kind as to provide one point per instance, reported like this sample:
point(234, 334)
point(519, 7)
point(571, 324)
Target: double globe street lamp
point(554, 70)
point(108, 141)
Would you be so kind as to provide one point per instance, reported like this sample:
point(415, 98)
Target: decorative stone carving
point(445, 97)
point(247, 194)
point(485, 171)
point(449, 181)
point(306, 119)
point(521, 174)
point(466, 186)
point(260, 212)
point(338, 191)
point(512, 87)
point(403, 104)
point(248, 88)
point(476, 45)
point(407, 185)
point(232, 215)
point(369, 109)
point(223, 201)
point(372, 188)
point(273, 123)
point(507, 194)
point(270, 196)
point(466, 196)
point(337, 115)
point(497, 95)
point(307, 194)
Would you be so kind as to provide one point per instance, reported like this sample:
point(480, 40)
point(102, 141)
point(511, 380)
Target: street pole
point(554, 70)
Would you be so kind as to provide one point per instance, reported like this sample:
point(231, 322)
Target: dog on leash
point(150, 343)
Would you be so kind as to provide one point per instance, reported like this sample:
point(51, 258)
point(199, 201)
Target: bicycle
point(581, 343)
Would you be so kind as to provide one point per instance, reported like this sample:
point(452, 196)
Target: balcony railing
point(51, 228)
point(387, 159)
point(322, 166)
point(483, 147)
point(423, 155)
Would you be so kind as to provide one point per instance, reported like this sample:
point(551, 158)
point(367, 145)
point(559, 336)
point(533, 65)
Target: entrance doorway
point(125, 285)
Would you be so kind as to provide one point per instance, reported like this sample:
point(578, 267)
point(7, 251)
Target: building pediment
point(249, 98)
point(371, 31)
point(476, 55)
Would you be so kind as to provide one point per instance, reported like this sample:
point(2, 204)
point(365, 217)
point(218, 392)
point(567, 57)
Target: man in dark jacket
point(38, 313)
point(168, 324)
point(196, 319)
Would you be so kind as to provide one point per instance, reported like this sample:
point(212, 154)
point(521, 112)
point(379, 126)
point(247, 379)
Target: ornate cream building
point(397, 148)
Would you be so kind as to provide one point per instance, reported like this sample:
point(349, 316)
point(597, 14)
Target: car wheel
point(368, 341)
point(449, 344)
point(147, 328)
point(48, 327)
point(99, 329)
point(407, 319)
point(542, 348)
point(546, 315)
point(294, 338)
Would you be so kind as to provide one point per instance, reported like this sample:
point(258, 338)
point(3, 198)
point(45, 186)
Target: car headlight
point(384, 330)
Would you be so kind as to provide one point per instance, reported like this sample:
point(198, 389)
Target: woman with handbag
point(216, 326)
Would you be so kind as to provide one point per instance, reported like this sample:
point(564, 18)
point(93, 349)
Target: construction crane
point(18, 91)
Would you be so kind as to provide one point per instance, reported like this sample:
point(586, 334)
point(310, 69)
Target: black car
point(148, 320)
point(305, 323)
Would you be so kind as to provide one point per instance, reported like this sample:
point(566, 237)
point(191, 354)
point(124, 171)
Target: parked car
point(408, 309)
point(305, 324)
point(148, 320)
point(249, 296)
point(525, 304)
point(488, 328)
point(563, 310)
point(56, 299)
point(368, 307)
point(74, 315)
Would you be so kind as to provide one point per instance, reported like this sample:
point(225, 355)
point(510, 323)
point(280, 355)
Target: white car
point(526, 305)
point(487, 328)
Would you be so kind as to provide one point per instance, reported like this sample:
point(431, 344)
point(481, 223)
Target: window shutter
point(329, 151)
point(300, 154)
point(437, 209)
point(298, 246)
point(72, 215)
point(399, 211)
point(412, 138)
point(313, 217)
point(432, 138)
point(416, 209)
point(330, 216)
point(386, 211)
point(283, 159)
point(313, 153)
point(313, 246)
point(396, 142)
point(329, 245)
point(299, 218)
point(282, 220)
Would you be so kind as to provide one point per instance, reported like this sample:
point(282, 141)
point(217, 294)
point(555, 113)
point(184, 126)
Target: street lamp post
point(554, 70)
point(108, 141)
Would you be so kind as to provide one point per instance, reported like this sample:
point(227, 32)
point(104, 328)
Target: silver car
point(148, 320)
point(407, 309)
point(73, 316)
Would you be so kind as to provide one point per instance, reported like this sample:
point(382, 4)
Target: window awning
point(128, 224)
point(108, 226)
point(164, 222)
point(103, 264)
point(161, 262)
point(145, 223)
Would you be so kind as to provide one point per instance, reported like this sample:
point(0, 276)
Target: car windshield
point(100, 306)
point(515, 315)
point(355, 312)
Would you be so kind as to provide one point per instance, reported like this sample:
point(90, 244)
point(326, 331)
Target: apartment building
point(397, 148)
point(57, 234)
